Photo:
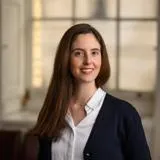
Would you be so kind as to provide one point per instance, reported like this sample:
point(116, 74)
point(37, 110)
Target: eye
point(78, 53)
point(94, 53)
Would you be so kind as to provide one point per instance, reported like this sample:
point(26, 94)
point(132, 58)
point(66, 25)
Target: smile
point(87, 70)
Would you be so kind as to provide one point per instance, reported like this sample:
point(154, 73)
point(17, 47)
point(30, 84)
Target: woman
point(79, 120)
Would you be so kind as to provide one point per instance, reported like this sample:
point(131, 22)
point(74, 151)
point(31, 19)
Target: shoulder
point(120, 107)
point(125, 117)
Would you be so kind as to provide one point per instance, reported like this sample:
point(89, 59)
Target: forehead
point(86, 40)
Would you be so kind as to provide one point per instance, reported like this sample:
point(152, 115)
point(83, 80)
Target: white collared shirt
point(74, 138)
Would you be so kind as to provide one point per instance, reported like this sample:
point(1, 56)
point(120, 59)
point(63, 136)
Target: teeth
point(87, 70)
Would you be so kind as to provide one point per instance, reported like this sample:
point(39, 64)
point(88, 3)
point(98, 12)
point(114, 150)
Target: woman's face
point(85, 59)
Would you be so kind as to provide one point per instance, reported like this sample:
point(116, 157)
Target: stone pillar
point(0, 61)
point(156, 118)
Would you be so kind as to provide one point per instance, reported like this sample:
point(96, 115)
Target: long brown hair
point(51, 119)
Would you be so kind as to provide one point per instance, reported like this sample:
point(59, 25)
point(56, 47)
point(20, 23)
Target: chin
point(87, 80)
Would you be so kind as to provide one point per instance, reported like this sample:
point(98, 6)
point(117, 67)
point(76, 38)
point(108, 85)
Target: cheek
point(98, 62)
point(75, 62)
point(73, 65)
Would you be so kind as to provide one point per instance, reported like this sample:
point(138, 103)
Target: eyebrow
point(93, 49)
point(96, 49)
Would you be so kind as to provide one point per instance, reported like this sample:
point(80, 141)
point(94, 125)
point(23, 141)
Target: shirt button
point(87, 154)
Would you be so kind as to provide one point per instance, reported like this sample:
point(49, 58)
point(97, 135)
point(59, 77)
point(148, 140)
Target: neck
point(83, 93)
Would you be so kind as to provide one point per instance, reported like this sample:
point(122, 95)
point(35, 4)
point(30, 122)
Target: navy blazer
point(116, 135)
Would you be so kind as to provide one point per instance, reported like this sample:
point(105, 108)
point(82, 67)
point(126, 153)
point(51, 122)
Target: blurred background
point(30, 31)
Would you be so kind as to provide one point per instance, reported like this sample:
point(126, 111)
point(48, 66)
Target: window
point(129, 33)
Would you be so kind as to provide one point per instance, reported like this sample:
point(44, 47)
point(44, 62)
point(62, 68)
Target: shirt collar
point(95, 99)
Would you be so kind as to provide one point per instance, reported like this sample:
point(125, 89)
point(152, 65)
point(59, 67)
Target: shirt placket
point(72, 140)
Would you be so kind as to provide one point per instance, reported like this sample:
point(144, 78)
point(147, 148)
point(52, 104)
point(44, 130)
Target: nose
point(87, 59)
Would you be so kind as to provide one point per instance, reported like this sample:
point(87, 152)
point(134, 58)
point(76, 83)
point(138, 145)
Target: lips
point(86, 70)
